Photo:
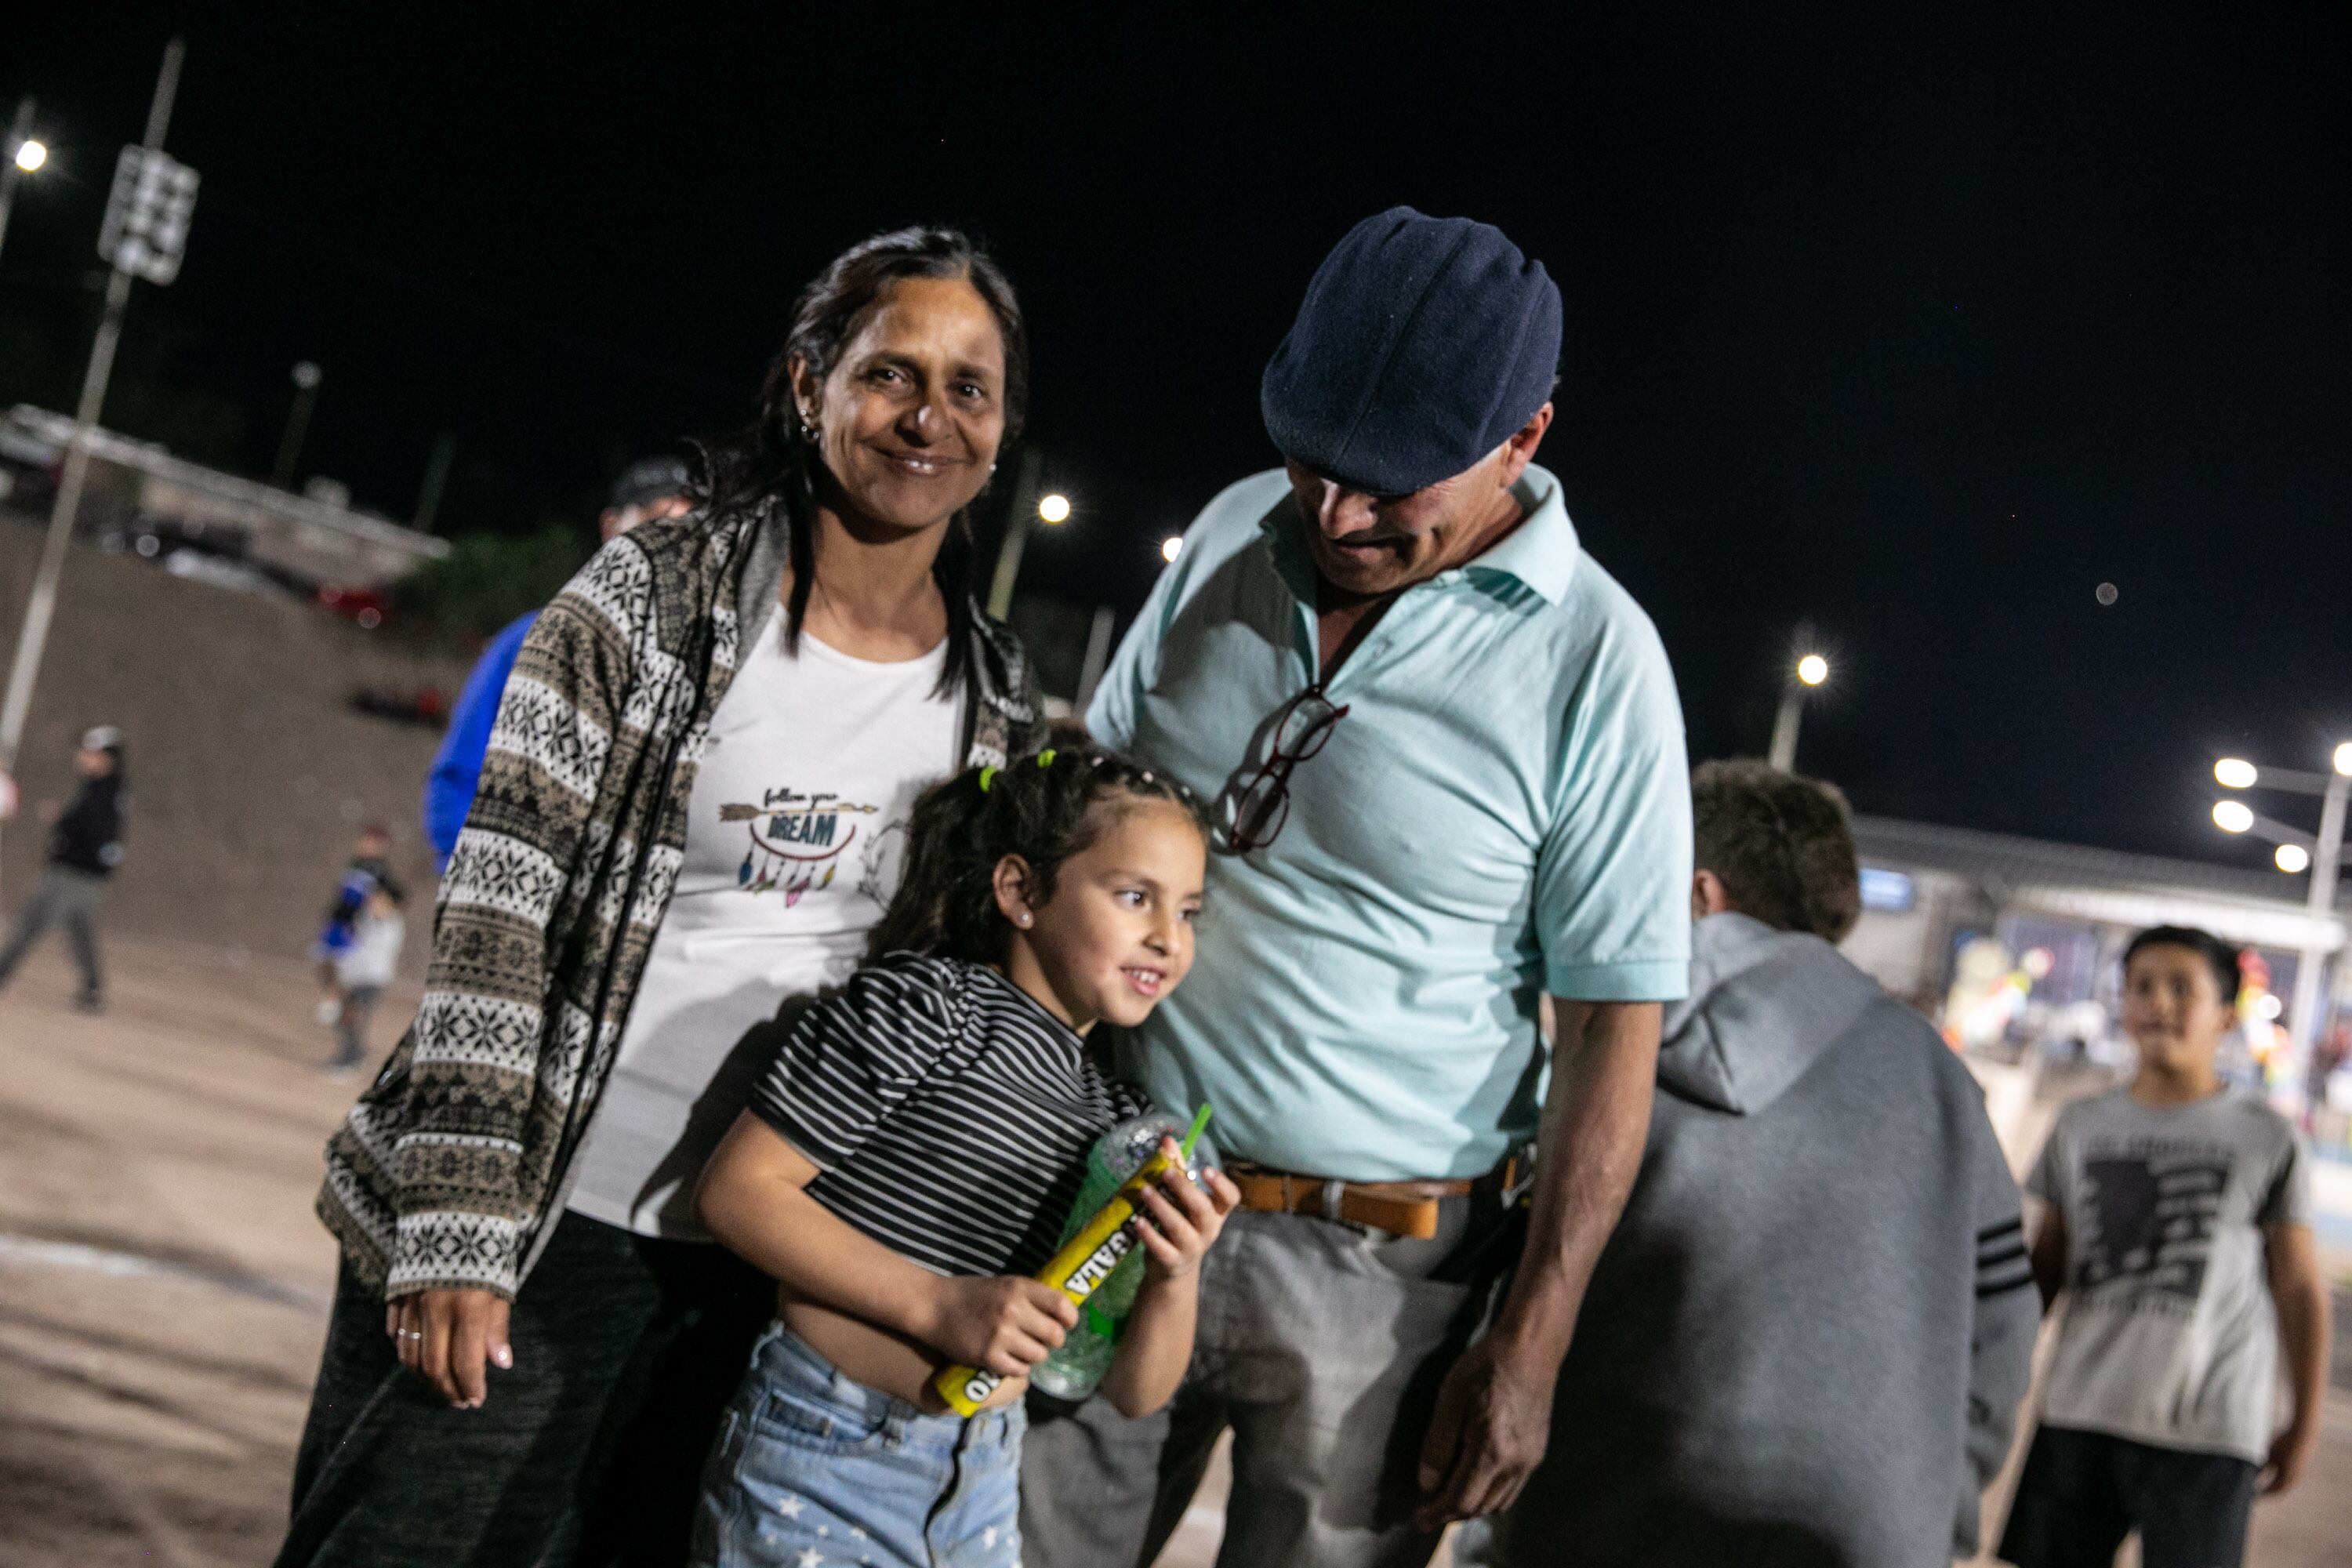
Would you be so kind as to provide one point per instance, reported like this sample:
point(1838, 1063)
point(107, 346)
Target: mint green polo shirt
point(1505, 810)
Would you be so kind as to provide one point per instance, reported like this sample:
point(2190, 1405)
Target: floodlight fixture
point(1812, 669)
point(1171, 547)
point(1054, 508)
point(2292, 858)
point(31, 154)
point(2235, 772)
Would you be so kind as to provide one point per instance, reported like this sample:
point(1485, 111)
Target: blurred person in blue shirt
point(647, 489)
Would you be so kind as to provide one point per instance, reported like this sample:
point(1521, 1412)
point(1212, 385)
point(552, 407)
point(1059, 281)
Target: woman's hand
point(1005, 1323)
point(443, 1337)
point(1183, 1221)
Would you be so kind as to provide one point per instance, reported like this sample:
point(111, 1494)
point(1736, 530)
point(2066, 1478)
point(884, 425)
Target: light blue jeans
point(813, 1468)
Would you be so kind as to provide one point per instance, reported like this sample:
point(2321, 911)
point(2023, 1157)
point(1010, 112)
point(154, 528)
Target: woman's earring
point(1025, 920)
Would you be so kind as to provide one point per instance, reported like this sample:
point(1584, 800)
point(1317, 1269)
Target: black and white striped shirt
point(948, 1114)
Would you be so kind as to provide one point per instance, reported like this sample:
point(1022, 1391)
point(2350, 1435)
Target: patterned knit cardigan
point(451, 1168)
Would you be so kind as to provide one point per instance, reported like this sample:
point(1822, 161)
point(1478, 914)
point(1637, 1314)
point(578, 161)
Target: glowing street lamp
point(26, 155)
point(1053, 509)
point(2234, 816)
point(2235, 772)
point(1171, 547)
point(1808, 672)
point(2292, 858)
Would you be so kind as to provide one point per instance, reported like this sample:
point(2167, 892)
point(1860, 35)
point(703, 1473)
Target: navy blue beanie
point(1423, 343)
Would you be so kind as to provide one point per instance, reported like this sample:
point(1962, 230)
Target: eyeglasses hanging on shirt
point(1258, 804)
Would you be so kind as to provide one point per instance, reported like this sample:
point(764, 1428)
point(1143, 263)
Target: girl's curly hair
point(1040, 808)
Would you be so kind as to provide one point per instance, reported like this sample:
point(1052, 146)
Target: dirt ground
point(162, 1284)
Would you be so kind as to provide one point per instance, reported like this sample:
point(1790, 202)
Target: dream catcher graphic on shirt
point(796, 841)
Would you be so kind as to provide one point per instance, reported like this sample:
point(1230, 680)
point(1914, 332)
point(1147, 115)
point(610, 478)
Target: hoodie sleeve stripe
point(2003, 1283)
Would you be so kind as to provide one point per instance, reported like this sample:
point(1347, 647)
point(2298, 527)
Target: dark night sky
point(1916, 329)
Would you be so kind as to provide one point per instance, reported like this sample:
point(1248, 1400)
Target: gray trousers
point(1321, 1346)
point(68, 895)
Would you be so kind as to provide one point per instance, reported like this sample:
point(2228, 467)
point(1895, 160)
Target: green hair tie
point(987, 777)
point(1046, 757)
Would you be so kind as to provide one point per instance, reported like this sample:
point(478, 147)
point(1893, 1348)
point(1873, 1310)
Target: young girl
point(912, 1153)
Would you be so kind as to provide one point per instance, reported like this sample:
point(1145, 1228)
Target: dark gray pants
point(590, 1451)
point(1322, 1347)
point(351, 1025)
point(68, 895)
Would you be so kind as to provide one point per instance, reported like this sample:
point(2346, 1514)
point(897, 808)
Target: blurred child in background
point(2176, 1227)
point(362, 969)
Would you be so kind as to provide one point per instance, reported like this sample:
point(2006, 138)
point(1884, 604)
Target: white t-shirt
point(2169, 1336)
point(796, 838)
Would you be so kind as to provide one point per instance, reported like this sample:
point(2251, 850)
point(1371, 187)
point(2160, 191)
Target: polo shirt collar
point(1541, 552)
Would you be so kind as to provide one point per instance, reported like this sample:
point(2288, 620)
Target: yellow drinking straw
point(1084, 1261)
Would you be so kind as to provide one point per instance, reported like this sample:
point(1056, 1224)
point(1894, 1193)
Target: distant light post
point(1808, 672)
point(1171, 547)
point(2296, 852)
point(306, 377)
point(1029, 508)
point(25, 156)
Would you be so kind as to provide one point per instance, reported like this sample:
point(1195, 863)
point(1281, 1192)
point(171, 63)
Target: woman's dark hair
point(2219, 955)
point(777, 457)
point(1781, 846)
point(1040, 808)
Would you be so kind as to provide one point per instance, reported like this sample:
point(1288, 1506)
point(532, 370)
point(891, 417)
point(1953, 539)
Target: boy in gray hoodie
point(1807, 1339)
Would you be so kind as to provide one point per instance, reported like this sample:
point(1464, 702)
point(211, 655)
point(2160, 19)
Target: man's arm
point(1493, 1419)
point(2300, 1294)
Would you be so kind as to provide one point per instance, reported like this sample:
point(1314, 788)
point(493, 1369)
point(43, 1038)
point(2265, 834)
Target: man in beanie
point(85, 846)
point(1448, 761)
point(647, 489)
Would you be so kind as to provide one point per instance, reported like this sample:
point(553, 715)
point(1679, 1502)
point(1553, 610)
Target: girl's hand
point(1183, 1220)
point(1005, 1323)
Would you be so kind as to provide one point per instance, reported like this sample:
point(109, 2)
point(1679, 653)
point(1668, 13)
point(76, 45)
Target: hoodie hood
point(1764, 1005)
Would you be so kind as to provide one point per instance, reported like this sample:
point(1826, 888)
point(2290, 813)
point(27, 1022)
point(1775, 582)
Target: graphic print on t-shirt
point(796, 841)
point(2148, 1212)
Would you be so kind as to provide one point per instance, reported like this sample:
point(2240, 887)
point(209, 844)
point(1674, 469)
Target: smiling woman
point(693, 810)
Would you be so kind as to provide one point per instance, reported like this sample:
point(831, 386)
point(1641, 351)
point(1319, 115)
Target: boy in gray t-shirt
point(2177, 1229)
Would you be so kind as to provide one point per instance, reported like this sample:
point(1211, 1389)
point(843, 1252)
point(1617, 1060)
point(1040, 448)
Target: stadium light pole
point(2321, 855)
point(24, 155)
point(155, 255)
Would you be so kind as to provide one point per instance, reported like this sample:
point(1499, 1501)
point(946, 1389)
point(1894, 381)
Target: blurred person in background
point(1807, 1339)
point(370, 869)
point(689, 813)
point(85, 846)
point(648, 489)
point(362, 970)
point(2176, 1226)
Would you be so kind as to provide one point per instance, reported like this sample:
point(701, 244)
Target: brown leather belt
point(1407, 1209)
